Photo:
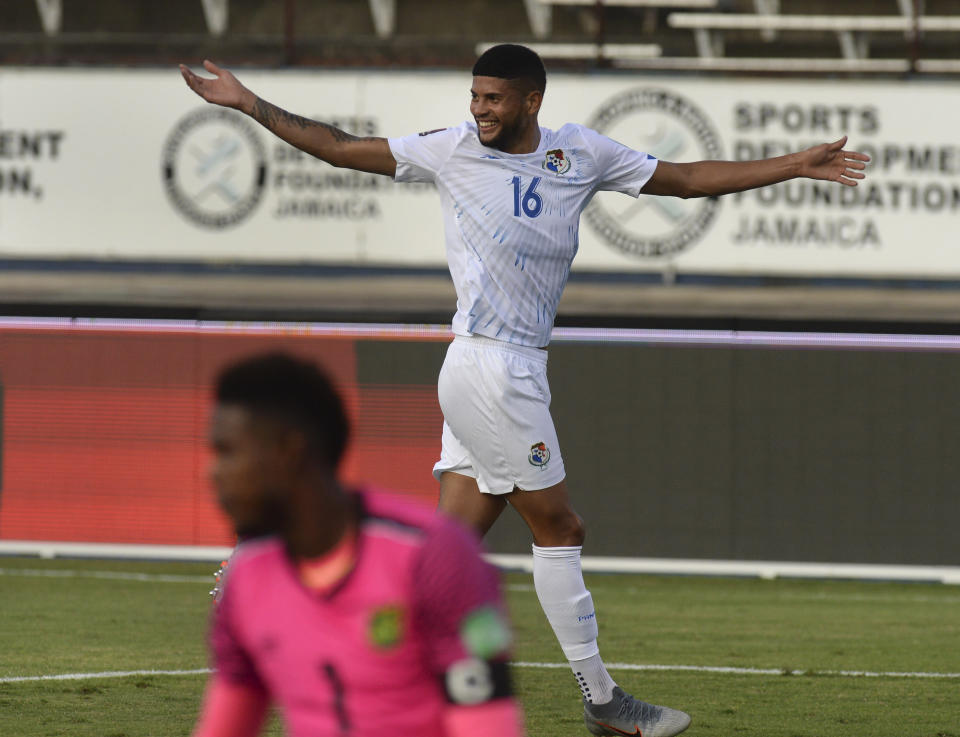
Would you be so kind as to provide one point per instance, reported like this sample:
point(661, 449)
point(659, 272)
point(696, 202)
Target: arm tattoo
point(271, 116)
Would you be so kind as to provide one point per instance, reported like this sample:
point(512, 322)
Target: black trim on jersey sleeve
point(472, 681)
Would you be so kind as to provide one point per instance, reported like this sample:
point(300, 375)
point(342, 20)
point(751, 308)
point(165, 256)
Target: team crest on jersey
point(386, 627)
point(557, 161)
point(539, 455)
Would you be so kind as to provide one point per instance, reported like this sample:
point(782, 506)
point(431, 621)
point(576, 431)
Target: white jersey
point(512, 221)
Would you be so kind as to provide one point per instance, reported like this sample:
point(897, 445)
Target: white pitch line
point(105, 674)
point(524, 587)
point(515, 587)
point(871, 598)
point(543, 666)
point(752, 671)
point(108, 575)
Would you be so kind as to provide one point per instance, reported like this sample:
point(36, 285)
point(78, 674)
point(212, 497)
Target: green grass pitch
point(808, 639)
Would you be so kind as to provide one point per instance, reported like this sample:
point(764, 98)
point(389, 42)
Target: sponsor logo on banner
point(667, 126)
point(214, 167)
point(22, 153)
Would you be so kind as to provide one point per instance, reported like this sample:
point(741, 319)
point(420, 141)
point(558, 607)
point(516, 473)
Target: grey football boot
point(217, 591)
point(625, 715)
point(219, 577)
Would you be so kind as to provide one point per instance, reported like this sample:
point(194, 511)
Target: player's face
point(247, 471)
point(504, 114)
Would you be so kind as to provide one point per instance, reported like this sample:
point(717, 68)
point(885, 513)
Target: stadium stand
point(852, 32)
point(807, 36)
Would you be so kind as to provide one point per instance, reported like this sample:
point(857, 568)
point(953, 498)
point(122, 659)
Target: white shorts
point(496, 408)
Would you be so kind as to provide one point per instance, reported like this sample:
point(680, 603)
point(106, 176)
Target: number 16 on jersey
point(530, 203)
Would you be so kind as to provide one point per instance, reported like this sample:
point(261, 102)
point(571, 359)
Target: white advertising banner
point(130, 164)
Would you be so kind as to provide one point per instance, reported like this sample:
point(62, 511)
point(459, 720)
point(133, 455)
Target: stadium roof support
point(216, 13)
point(51, 15)
point(384, 14)
point(767, 7)
point(540, 15)
point(638, 3)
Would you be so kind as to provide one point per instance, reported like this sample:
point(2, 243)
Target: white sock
point(595, 683)
point(558, 579)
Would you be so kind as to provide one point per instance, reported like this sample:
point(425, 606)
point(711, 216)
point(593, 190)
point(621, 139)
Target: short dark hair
point(292, 390)
point(513, 62)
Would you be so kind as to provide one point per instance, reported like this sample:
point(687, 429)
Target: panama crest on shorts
point(539, 455)
point(556, 161)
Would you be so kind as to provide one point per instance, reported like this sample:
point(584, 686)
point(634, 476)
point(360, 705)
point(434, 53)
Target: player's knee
point(572, 529)
point(578, 529)
point(564, 530)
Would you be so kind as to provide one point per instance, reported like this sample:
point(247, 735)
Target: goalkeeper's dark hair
point(513, 62)
point(293, 391)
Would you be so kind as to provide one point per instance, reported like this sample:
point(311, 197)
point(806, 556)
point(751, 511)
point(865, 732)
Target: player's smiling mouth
point(486, 125)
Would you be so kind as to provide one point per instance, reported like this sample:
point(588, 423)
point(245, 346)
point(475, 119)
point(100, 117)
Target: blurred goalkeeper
point(512, 192)
point(357, 613)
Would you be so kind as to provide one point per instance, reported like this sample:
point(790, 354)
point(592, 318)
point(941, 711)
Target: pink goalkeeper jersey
point(369, 656)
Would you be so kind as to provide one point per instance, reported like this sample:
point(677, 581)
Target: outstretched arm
point(827, 161)
point(324, 141)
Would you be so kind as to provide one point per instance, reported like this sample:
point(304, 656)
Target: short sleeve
point(231, 661)
point(619, 168)
point(457, 604)
point(420, 156)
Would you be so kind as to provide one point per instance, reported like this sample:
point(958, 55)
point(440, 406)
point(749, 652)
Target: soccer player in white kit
point(512, 193)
